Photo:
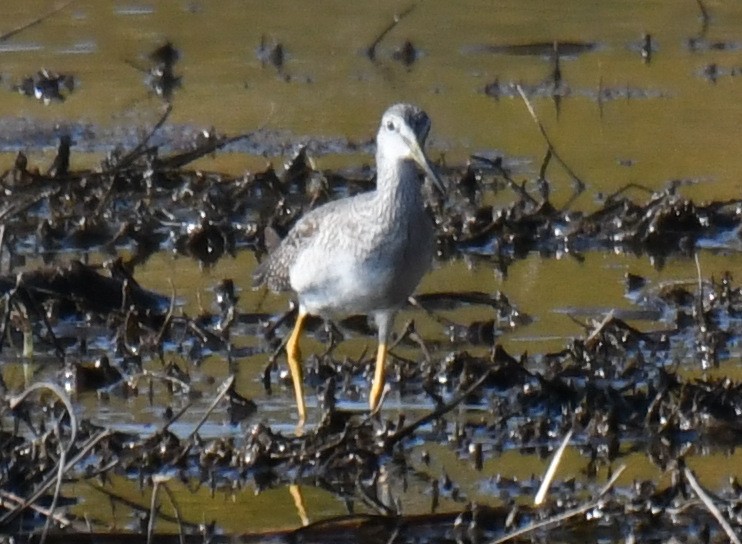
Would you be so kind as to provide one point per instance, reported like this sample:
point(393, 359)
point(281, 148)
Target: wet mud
point(655, 382)
point(613, 390)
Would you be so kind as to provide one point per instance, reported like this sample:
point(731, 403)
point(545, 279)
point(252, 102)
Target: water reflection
point(620, 119)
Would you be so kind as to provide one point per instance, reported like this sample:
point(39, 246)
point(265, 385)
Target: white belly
point(344, 283)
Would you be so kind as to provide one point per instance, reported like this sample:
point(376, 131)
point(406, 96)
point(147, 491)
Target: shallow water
point(665, 119)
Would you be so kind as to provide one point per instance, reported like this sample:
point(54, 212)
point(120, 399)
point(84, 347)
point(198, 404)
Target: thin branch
point(134, 154)
point(12, 514)
point(2, 242)
point(574, 176)
point(192, 527)
point(11, 33)
point(609, 485)
point(17, 208)
point(61, 464)
point(497, 166)
point(599, 329)
point(161, 482)
point(551, 471)
point(223, 389)
point(176, 509)
point(564, 516)
point(186, 387)
point(435, 414)
point(371, 51)
point(152, 511)
point(704, 12)
point(699, 277)
point(552, 521)
point(58, 349)
point(710, 506)
point(14, 500)
point(169, 316)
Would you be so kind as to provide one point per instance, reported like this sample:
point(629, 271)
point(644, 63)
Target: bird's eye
point(390, 125)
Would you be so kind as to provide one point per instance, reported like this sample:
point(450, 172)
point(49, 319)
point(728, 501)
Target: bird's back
point(310, 230)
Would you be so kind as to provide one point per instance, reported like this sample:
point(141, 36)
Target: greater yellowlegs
point(363, 254)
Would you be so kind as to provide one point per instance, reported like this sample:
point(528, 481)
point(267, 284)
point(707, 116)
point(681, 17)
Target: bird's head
point(402, 134)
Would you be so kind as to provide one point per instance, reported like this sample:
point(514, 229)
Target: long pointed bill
point(419, 156)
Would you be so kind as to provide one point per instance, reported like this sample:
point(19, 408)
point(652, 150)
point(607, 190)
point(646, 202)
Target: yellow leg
point(296, 494)
point(377, 387)
point(294, 356)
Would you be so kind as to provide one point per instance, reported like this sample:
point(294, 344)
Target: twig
point(393, 536)
point(14, 500)
point(175, 418)
point(607, 319)
point(435, 414)
point(561, 518)
point(506, 176)
point(11, 515)
point(223, 389)
point(702, 317)
point(574, 176)
point(132, 155)
point(700, 277)
point(551, 471)
point(374, 502)
point(554, 520)
point(371, 51)
point(152, 508)
point(2, 242)
point(176, 509)
point(17, 208)
point(61, 464)
point(7, 309)
point(161, 482)
point(89, 445)
point(607, 487)
point(128, 159)
point(58, 349)
point(710, 506)
point(179, 160)
point(610, 198)
point(138, 507)
point(545, 163)
point(11, 33)
point(160, 376)
point(704, 12)
point(169, 316)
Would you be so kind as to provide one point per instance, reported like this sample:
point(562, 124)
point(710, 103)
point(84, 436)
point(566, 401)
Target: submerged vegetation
point(656, 384)
point(615, 391)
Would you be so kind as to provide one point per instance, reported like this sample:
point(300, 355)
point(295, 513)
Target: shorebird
point(363, 254)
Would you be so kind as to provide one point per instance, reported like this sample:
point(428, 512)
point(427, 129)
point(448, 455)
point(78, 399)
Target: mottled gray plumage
point(383, 238)
point(364, 254)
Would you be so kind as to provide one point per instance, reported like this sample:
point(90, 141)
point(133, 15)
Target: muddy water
point(658, 120)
